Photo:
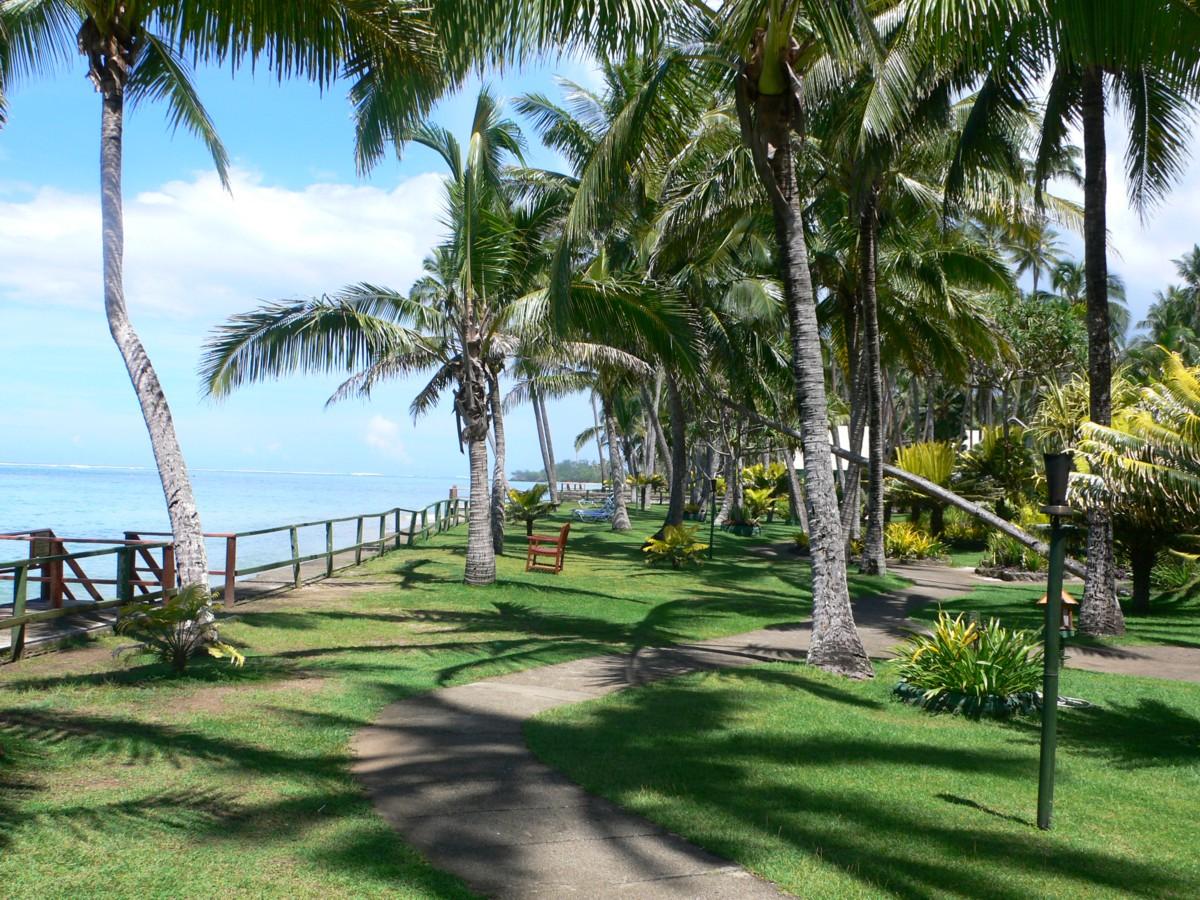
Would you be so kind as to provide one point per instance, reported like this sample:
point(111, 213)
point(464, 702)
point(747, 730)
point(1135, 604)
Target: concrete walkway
point(451, 772)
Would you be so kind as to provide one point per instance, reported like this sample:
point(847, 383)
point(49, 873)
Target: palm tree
point(1035, 248)
point(137, 52)
point(454, 321)
point(1142, 54)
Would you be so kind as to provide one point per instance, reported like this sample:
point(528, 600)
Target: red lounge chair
point(546, 551)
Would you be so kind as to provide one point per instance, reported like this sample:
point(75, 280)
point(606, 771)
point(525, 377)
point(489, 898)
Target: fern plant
point(904, 541)
point(678, 545)
point(176, 630)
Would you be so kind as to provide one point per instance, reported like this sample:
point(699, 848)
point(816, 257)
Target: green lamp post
point(1058, 471)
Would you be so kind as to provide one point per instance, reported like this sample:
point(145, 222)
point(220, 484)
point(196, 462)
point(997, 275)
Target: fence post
point(396, 513)
point(383, 533)
point(57, 584)
point(425, 519)
point(295, 535)
point(168, 570)
point(328, 549)
point(20, 590)
point(125, 573)
point(230, 568)
point(358, 542)
point(412, 528)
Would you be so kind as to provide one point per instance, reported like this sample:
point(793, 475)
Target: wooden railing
point(145, 565)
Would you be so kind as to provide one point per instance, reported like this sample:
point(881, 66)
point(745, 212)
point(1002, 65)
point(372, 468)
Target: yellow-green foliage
point(757, 503)
point(962, 528)
point(931, 460)
point(801, 539)
point(962, 657)
point(678, 545)
point(903, 540)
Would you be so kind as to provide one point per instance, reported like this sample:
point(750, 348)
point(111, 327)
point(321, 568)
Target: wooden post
point(20, 590)
point(358, 536)
point(397, 516)
point(383, 533)
point(54, 571)
point(125, 564)
point(167, 582)
point(328, 549)
point(230, 569)
point(425, 519)
point(412, 528)
point(295, 556)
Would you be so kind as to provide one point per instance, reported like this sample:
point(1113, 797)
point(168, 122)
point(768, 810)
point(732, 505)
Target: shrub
point(1176, 574)
point(691, 509)
point(527, 506)
point(757, 503)
point(963, 528)
point(967, 667)
point(678, 545)
point(801, 539)
point(1004, 552)
point(903, 540)
point(176, 630)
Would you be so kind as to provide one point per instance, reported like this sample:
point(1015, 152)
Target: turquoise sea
point(104, 502)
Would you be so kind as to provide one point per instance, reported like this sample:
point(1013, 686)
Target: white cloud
point(195, 251)
point(383, 436)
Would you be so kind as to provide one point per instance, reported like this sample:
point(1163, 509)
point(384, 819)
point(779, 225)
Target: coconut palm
point(1141, 55)
point(139, 52)
point(452, 323)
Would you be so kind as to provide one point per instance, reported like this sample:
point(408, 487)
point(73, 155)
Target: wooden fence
point(144, 565)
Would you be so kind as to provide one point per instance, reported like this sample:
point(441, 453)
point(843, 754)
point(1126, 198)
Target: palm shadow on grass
point(734, 793)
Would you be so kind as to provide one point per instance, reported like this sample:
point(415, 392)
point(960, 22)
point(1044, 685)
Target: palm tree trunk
point(599, 446)
point(1099, 612)
point(191, 557)
point(481, 555)
point(677, 461)
point(551, 462)
point(799, 506)
point(499, 480)
point(616, 470)
point(730, 499)
point(873, 560)
point(544, 443)
point(835, 644)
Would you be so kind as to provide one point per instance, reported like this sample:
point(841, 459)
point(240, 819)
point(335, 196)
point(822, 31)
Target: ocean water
point(102, 502)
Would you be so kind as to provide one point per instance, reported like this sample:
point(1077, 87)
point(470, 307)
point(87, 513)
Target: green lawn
point(122, 780)
point(1173, 621)
point(832, 789)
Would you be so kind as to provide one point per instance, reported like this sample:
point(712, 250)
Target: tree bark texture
point(191, 557)
point(616, 470)
point(835, 645)
point(499, 479)
point(873, 559)
point(1099, 612)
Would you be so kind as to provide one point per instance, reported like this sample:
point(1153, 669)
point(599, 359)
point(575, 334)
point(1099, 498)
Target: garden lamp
point(1058, 473)
point(1067, 622)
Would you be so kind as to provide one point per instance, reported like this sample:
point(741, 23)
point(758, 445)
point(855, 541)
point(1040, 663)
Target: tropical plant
point(677, 545)
point(1000, 469)
point(963, 666)
point(1003, 552)
point(175, 630)
point(1176, 573)
point(757, 503)
point(933, 461)
point(905, 541)
point(527, 506)
point(800, 539)
point(1145, 470)
point(962, 529)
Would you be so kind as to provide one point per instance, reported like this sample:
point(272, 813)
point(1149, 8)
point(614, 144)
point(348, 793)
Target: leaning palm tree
point(137, 52)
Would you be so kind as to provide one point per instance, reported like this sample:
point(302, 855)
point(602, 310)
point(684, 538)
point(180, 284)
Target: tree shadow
point(737, 793)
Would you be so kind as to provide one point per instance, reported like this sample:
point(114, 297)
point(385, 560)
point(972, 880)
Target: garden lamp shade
point(1068, 610)
point(1058, 471)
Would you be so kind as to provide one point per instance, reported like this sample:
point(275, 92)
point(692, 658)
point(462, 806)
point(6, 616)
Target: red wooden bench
point(546, 551)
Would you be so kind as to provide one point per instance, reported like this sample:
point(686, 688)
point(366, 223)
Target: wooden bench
point(546, 551)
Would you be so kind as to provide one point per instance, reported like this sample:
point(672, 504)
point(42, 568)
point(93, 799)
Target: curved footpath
point(451, 772)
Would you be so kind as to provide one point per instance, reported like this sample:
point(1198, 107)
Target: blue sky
point(299, 222)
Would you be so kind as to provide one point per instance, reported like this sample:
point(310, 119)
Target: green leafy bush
point(975, 669)
point(1004, 552)
point(903, 540)
point(528, 506)
point(678, 545)
point(801, 540)
point(1176, 574)
point(757, 503)
point(961, 528)
point(175, 631)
